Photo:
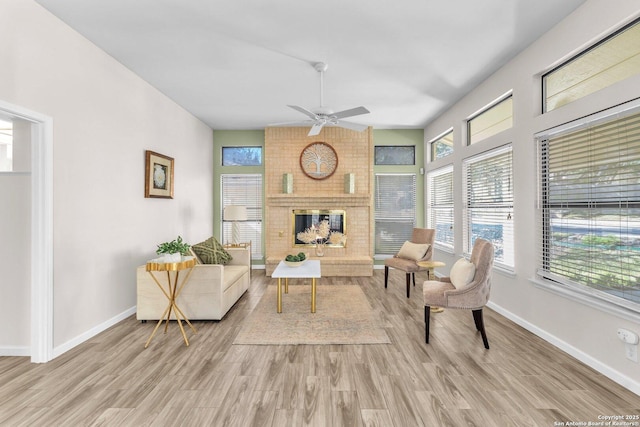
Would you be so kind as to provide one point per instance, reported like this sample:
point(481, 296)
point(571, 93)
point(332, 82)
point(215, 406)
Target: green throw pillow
point(211, 252)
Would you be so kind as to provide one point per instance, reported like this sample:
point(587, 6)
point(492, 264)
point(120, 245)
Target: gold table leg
point(313, 295)
point(279, 305)
point(172, 295)
point(157, 326)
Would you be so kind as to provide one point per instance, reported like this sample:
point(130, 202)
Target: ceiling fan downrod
point(321, 67)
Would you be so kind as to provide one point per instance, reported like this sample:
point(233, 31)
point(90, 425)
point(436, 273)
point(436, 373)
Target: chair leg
point(414, 278)
point(427, 315)
point(477, 318)
point(386, 276)
point(408, 285)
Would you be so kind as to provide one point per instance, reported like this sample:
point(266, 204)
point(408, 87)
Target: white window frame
point(496, 207)
point(497, 122)
point(433, 144)
point(247, 195)
point(560, 285)
point(440, 204)
point(393, 215)
point(610, 60)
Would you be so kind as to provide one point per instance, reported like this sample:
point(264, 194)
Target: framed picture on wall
point(158, 175)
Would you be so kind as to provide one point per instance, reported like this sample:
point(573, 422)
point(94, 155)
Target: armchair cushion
point(211, 252)
point(435, 292)
point(413, 251)
point(462, 273)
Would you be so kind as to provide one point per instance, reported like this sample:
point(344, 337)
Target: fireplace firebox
point(306, 218)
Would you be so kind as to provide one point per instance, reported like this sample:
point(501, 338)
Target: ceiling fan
point(324, 116)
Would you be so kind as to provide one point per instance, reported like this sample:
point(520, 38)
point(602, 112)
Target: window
point(590, 206)
point(442, 146)
point(395, 155)
point(244, 190)
point(395, 211)
point(491, 121)
point(6, 145)
point(610, 61)
point(440, 205)
point(488, 192)
point(241, 156)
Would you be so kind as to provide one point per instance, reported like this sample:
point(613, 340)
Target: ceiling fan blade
point(350, 125)
point(351, 112)
point(295, 123)
point(315, 129)
point(304, 111)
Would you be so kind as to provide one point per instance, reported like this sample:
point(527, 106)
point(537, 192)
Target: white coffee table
point(310, 269)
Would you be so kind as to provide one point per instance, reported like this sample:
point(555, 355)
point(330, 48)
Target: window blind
point(440, 205)
point(244, 190)
point(395, 211)
point(488, 211)
point(590, 206)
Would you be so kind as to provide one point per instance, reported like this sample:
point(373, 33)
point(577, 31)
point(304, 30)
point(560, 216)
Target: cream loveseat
point(209, 293)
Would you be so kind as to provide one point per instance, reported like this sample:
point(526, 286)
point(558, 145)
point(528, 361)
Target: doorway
point(38, 129)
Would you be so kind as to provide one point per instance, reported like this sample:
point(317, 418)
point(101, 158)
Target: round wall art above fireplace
point(318, 160)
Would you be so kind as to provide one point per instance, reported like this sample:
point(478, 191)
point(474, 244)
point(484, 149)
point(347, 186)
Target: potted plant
point(172, 251)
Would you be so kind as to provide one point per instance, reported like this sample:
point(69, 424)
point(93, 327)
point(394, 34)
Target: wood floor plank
point(317, 411)
point(293, 387)
point(367, 384)
point(234, 406)
point(345, 410)
point(112, 380)
point(376, 418)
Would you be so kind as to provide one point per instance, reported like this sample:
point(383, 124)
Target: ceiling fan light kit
point(324, 116)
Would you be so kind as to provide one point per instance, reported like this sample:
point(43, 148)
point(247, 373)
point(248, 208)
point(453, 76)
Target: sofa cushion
point(211, 252)
point(232, 273)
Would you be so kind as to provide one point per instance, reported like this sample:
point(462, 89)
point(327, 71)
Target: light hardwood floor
point(111, 380)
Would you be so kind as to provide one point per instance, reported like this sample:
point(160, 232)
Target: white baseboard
point(63, 348)
point(625, 381)
point(15, 351)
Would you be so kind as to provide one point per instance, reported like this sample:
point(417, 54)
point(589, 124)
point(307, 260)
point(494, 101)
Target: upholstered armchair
point(410, 254)
point(467, 287)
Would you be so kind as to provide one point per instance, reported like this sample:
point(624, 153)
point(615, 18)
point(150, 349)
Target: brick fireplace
point(283, 146)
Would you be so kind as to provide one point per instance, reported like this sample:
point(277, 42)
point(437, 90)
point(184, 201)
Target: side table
point(172, 292)
point(430, 266)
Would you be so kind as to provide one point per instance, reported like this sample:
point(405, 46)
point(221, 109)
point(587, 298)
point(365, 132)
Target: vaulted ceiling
point(237, 64)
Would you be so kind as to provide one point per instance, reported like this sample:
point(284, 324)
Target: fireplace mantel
point(322, 200)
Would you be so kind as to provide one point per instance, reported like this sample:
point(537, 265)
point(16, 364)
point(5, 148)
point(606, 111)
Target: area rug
point(343, 316)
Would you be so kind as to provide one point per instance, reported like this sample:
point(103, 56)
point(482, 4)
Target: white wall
point(584, 331)
point(104, 118)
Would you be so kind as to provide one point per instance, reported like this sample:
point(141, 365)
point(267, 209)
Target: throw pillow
point(413, 251)
point(462, 273)
point(211, 252)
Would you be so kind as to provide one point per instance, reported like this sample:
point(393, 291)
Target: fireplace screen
point(303, 219)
